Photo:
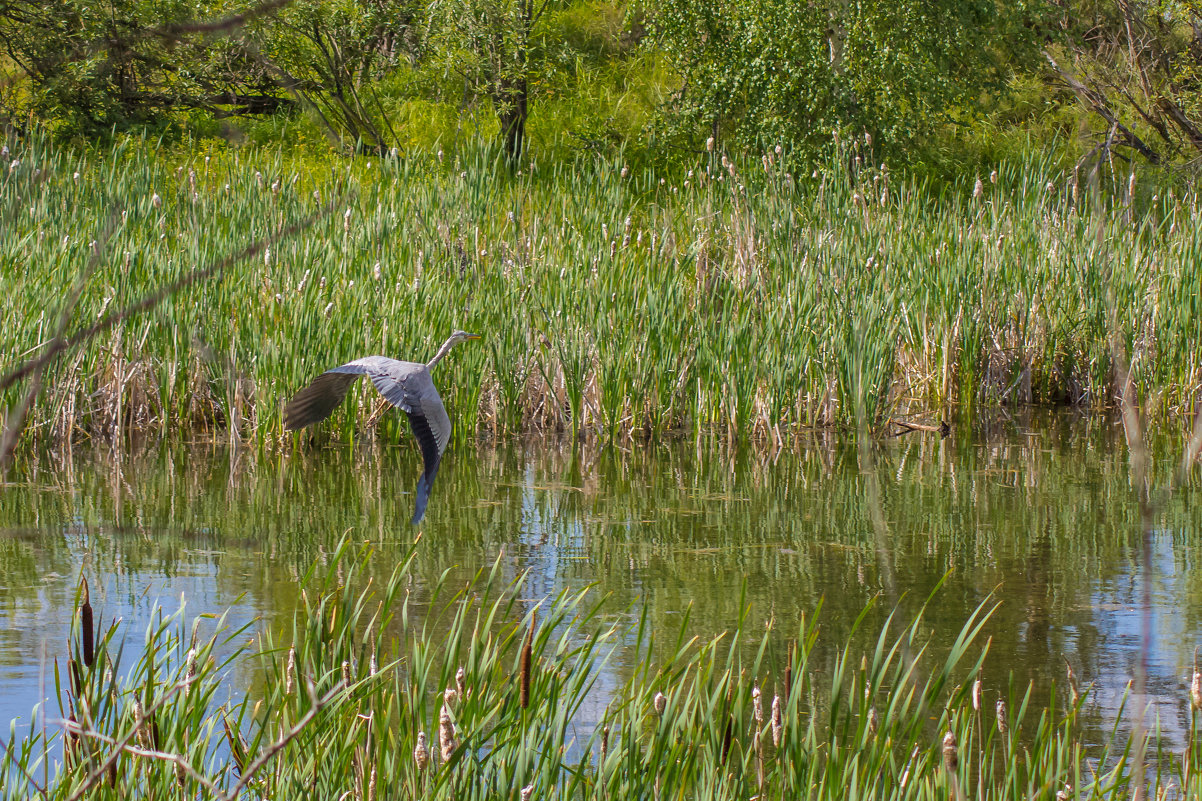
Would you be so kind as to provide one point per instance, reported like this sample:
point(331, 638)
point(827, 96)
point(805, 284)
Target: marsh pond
point(1035, 512)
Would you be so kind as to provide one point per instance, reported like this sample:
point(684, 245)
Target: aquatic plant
point(347, 707)
point(733, 300)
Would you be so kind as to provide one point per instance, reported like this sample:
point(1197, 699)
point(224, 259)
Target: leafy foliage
point(784, 72)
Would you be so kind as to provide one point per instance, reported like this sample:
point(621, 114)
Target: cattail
point(993, 177)
point(372, 666)
point(951, 756)
point(326, 311)
point(155, 200)
point(778, 725)
point(524, 678)
point(976, 696)
point(527, 792)
point(371, 784)
point(1195, 691)
point(757, 706)
point(290, 670)
point(625, 171)
point(85, 623)
point(709, 144)
point(317, 195)
point(978, 189)
point(376, 272)
point(604, 743)
point(421, 754)
point(659, 702)
point(267, 257)
point(140, 724)
point(1002, 725)
point(1065, 794)
point(189, 668)
point(461, 682)
point(346, 673)
point(450, 696)
point(346, 220)
point(446, 735)
point(1131, 187)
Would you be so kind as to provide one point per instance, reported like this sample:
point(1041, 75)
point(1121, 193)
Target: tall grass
point(487, 699)
point(735, 299)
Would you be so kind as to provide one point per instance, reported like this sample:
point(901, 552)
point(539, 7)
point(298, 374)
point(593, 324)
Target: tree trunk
point(511, 113)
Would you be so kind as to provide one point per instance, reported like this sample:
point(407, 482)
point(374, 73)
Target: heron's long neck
point(443, 351)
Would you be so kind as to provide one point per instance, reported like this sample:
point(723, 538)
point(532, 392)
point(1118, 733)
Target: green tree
point(782, 71)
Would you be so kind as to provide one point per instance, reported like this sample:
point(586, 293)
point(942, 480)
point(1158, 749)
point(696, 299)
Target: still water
point(1037, 511)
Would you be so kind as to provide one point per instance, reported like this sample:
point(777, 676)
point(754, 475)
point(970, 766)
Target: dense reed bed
point(357, 699)
point(735, 299)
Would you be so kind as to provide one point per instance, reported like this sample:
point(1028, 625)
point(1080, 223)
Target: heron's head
point(462, 336)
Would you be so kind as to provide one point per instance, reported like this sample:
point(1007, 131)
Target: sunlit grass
point(736, 300)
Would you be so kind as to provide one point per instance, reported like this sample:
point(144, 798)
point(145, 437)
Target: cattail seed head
point(993, 177)
point(155, 200)
point(951, 756)
point(421, 753)
point(659, 702)
point(625, 171)
point(709, 144)
point(346, 220)
point(978, 189)
point(1195, 691)
point(446, 735)
point(976, 696)
point(874, 722)
point(757, 706)
point(527, 792)
point(778, 726)
point(290, 671)
point(450, 696)
point(346, 673)
point(461, 682)
point(1002, 724)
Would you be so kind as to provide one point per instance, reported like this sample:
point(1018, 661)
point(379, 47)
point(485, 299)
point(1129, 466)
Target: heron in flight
point(406, 385)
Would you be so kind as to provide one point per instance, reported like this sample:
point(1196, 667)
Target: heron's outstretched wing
point(406, 385)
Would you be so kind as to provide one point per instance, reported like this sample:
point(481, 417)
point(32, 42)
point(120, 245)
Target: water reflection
point(1039, 512)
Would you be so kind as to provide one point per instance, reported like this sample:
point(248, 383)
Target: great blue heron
point(406, 385)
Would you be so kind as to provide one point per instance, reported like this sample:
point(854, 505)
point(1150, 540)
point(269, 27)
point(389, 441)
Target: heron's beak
point(473, 336)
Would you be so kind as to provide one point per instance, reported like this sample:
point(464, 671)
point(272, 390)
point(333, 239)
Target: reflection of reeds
point(693, 724)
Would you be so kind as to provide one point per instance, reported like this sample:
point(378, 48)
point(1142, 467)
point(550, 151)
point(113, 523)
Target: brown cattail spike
point(85, 624)
point(461, 682)
point(446, 735)
point(976, 696)
point(1002, 724)
point(951, 755)
point(778, 726)
point(659, 702)
point(421, 753)
point(527, 653)
point(1195, 691)
point(290, 670)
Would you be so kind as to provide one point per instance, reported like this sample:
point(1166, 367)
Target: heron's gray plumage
point(406, 385)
